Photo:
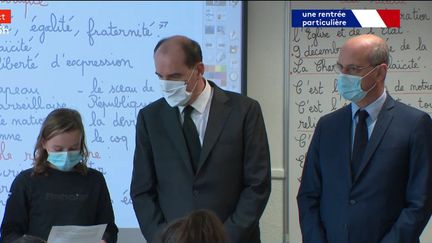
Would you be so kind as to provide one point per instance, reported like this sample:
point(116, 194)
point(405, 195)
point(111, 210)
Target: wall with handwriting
point(312, 84)
point(97, 57)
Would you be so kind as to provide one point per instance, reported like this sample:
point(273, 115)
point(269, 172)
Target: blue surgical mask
point(175, 92)
point(349, 86)
point(64, 161)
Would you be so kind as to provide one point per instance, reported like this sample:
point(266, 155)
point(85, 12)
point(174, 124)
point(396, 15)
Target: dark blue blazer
point(233, 176)
point(389, 200)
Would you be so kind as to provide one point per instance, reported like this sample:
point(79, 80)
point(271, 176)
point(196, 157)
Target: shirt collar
point(373, 108)
point(201, 101)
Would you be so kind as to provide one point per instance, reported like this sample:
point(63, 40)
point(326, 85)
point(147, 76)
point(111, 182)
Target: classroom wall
point(265, 83)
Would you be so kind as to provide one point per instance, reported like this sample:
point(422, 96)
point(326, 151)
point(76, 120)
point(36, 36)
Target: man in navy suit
point(376, 190)
point(199, 147)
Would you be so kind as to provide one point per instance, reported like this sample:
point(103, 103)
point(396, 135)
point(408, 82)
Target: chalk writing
point(9, 173)
point(147, 88)
point(95, 88)
point(121, 101)
point(17, 91)
point(322, 66)
point(404, 45)
point(120, 139)
point(2, 121)
point(303, 106)
point(121, 121)
point(11, 47)
point(417, 14)
point(309, 123)
point(119, 88)
point(316, 34)
point(10, 136)
point(35, 103)
point(29, 121)
point(95, 121)
point(423, 86)
point(94, 63)
point(94, 155)
point(97, 137)
point(126, 198)
point(422, 104)
point(28, 156)
point(402, 64)
point(59, 25)
point(298, 66)
point(313, 51)
point(391, 31)
point(93, 165)
point(4, 154)
point(4, 189)
point(421, 46)
point(112, 30)
point(13, 63)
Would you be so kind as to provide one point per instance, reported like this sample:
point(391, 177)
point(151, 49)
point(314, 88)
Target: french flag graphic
point(334, 18)
point(377, 18)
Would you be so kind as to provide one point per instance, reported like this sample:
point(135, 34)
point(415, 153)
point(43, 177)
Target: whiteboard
point(97, 57)
point(312, 81)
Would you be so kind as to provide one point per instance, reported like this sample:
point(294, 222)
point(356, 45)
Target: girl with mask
point(60, 189)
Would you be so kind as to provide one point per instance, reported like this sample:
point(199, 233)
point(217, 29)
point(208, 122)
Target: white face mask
point(175, 92)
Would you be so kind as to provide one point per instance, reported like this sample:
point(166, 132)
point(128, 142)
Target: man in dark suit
point(199, 147)
point(367, 177)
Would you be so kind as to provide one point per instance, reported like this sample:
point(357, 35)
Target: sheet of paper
point(74, 234)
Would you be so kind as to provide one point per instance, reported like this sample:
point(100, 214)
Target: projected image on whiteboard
point(97, 58)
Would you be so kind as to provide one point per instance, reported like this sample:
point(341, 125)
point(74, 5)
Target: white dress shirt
point(201, 110)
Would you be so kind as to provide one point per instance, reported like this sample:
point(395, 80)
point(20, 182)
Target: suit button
point(195, 192)
point(352, 201)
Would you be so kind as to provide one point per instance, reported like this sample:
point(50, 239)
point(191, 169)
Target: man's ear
point(200, 68)
point(382, 70)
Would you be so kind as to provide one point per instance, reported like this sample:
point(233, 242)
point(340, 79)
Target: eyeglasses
point(350, 69)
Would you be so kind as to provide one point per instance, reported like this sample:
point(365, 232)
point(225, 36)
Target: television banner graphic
point(360, 18)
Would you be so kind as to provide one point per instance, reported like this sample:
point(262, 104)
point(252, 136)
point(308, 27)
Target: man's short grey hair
point(379, 54)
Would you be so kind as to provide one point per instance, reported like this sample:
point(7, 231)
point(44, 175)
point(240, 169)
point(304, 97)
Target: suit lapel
point(219, 112)
point(382, 123)
point(171, 122)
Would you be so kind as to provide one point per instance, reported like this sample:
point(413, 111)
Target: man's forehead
point(170, 51)
point(353, 54)
point(171, 45)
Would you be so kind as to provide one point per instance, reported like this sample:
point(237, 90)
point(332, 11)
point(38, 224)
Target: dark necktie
point(360, 141)
point(191, 136)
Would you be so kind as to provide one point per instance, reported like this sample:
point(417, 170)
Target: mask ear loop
point(369, 72)
point(367, 75)
point(189, 81)
point(190, 76)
